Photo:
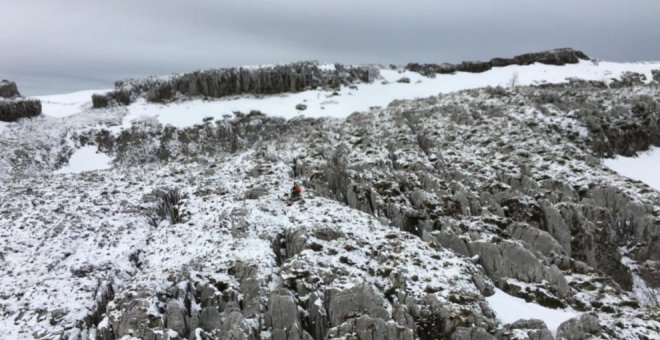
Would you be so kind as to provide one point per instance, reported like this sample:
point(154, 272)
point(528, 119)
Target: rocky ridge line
point(560, 56)
point(224, 82)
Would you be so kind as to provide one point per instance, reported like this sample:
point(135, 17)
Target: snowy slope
point(474, 161)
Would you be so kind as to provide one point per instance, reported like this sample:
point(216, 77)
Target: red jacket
point(296, 189)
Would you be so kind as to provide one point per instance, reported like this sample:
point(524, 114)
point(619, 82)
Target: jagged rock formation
point(219, 83)
point(414, 215)
point(13, 106)
point(559, 56)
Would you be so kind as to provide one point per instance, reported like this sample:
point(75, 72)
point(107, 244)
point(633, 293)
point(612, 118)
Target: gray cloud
point(65, 45)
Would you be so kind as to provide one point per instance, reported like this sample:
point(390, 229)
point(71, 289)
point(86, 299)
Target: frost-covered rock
point(13, 106)
point(218, 83)
point(559, 56)
point(531, 329)
point(284, 318)
point(367, 328)
point(464, 333)
point(584, 327)
point(13, 109)
point(175, 318)
point(8, 89)
point(354, 302)
point(412, 215)
point(656, 75)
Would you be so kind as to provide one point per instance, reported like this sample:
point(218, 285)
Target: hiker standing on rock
point(296, 191)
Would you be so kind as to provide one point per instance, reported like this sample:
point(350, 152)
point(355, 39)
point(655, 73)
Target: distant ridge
point(559, 56)
point(296, 77)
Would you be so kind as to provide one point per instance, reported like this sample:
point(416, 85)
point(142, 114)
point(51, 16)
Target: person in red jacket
point(296, 191)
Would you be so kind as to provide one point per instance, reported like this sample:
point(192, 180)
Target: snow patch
point(643, 168)
point(509, 309)
point(63, 105)
point(84, 159)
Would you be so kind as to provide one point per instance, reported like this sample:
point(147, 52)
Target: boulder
point(283, 314)
point(8, 89)
point(511, 259)
point(118, 97)
point(534, 329)
point(656, 75)
point(582, 328)
point(554, 223)
point(358, 300)
point(210, 319)
point(175, 319)
point(474, 333)
point(134, 319)
point(537, 239)
point(368, 328)
point(318, 317)
point(14, 109)
point(235, 327)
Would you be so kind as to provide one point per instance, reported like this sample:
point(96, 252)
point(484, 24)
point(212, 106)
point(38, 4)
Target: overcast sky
point(56, 46)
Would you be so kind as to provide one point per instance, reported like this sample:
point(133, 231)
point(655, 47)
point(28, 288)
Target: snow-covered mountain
point(484, 200)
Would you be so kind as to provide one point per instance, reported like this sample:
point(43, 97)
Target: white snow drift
point(84, 159)
point(645, 167)
point(509, 309)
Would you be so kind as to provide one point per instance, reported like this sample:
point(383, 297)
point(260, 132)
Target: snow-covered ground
point(349, 100)
point(99, 218)
point(509, 309)
point(86, 158)
point(645, 167)
point(62, 105)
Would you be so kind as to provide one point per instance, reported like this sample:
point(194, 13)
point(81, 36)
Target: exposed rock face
point(354, 302)
point(13, 106)
point(413, 214)
point(8, 89)
point(582, 328)
point(624, 131)
point(560, 56)
point(533, 330)
point(14, 109)
point(218, 83)
point(284, 318)
point(464, 333)
point(656, 75)
point(367, 328)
